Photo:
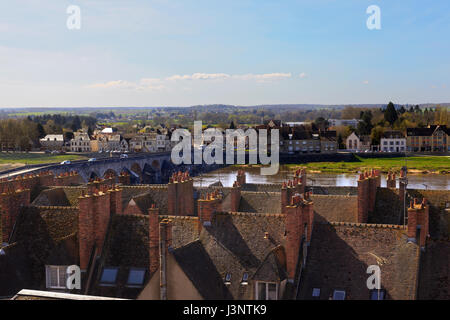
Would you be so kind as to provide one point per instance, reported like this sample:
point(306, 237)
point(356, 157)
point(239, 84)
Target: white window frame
point(59, 269)
point(267, 288)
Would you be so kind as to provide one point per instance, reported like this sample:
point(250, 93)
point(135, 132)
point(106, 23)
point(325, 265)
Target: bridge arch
point(136, 168)
point(94, 174)
point(110, 173)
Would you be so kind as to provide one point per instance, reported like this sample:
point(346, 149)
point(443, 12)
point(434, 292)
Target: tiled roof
point(236, 244)
point(64, 196)
point(335, 208)
point(434, 278)
point(264, 202)
point(339, 256)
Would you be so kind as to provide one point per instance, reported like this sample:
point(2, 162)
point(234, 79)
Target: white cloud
point(114, 84)
point(263, 77)
point(199, 76)
point(161, 84)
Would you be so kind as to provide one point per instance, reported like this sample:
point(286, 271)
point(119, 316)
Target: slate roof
point(63, 196)
point(339, 256)
point(235, 243)
point(144, 196)
point(393, 135)
point(434, 278)
point(42, 236)
point(426, 131)
point(263, 202)
point(200, 269)
point(335, 208)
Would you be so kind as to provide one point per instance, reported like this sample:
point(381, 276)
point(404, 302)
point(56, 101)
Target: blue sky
point(179, 53)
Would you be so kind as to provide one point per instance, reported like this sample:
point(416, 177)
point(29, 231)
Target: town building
point(248, 241)
point(434, 138)
point(393, 141)
point(109, 143)
point(81, 142)
point(358, 143)
point(52, 142)
point(344, 122)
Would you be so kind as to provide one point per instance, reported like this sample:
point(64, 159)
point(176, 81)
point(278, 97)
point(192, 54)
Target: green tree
point(390, 114)
point(41, 131)
point(365, 126)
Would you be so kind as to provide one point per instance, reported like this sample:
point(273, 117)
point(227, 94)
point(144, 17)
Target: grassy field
point(17, 159)
point(425, 164)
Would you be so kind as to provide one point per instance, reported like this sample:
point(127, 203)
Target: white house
point(354, 142)
point(393, 141)
point(52, 141)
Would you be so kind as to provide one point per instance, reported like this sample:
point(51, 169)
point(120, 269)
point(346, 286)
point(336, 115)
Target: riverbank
point(14, 160)
point(418, 164)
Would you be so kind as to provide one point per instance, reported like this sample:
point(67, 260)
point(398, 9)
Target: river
point(228, 175)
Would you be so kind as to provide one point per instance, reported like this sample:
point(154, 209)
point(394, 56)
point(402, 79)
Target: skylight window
point(377, 295)
point(316, 292)
point(338, 295)
point(136, 277)
point(109, 275)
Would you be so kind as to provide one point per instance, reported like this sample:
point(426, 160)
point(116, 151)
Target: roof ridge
point(366, 225)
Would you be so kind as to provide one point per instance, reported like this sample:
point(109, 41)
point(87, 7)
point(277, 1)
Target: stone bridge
point(145, 168)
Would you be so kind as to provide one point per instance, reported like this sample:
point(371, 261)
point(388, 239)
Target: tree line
point(23, 134)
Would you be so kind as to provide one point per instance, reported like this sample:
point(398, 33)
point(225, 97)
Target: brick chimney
point(11, 202)
point(180, 194)
point(235, 197)
point(309, 214)
point(294, 230)
point(153, 224)
point(207, 207)
point(241, 178)
point(67, 179)
point(115, 196)
point(284, 197)
point(372, 190)
point(124, 178)
point(172, 196)
point(301, 181)
point(93, 219)
point(363, 198)
point(418, 218)
point(390, 182)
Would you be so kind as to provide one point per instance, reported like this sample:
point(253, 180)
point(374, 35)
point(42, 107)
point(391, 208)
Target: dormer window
point(266, 291)
point(244, 281)
point(227, 279)
point(55, 277)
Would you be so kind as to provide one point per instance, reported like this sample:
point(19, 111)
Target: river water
point(228, 175)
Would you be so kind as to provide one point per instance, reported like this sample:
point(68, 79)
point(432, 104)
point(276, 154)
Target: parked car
point(123, 156)
point(66, 162)
point(92, 160)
